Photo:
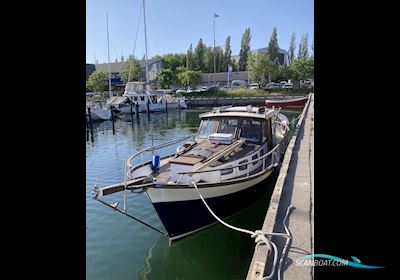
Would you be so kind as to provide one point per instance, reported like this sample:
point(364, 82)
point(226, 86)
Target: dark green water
point(118, 247)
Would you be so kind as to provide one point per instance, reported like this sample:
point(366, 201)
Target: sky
point(172, 25)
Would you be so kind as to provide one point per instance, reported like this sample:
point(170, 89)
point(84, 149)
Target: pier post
point(137, 109)
point(113, 120)
point(131, 111)
point(90, 124)
point(148, 108)
point(166, 106)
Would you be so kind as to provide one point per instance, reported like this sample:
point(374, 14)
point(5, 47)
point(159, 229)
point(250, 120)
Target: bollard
point(137, 109)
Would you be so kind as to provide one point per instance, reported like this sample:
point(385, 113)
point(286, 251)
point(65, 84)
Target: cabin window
point(227, 171)
point(135, 99)
point(142, 98)
point(253, 158)
point(261, 152)
point(206, 128)
point(251, 131)
point(243, 167)
point(227, 126)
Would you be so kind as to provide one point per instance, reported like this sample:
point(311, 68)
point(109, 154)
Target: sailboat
point(97, 111)
point(142, 94)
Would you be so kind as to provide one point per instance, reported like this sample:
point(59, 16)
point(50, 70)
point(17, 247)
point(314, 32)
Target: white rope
point(259, 235)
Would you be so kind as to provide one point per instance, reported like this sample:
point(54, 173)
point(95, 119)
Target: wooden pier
point(294, 186)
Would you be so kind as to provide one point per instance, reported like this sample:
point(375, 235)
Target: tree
point(262, 68)
point(165, 78)
point(303, 68)
point(199, 56)
point(244, 50)
point(97, 81)
point(303, 48)
point(273, 46)
point(136, 71)
point(312, 47)
point(189, 78)
point(189, 58)
point(292, 47)
point(219, 54)
point(227, 55)
point(209, 60)
point(172, 61)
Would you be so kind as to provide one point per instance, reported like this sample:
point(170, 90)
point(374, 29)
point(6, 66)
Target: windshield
point(227, 126)
point(251, 131)
point(206, 128)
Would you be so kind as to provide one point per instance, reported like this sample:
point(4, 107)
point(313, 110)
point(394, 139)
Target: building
point(90, 68)
point(116, 68)
point(283, 56)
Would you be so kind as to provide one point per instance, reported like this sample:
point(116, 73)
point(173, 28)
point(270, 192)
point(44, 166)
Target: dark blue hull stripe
point(182, 217)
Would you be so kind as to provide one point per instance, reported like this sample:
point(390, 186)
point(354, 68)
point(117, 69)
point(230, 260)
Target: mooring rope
point(259, 235)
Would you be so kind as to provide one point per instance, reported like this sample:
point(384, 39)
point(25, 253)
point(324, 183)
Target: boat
point(234, 150)
point(141, 93)
point(148, 99)
point(297, 102)
point(97, 112)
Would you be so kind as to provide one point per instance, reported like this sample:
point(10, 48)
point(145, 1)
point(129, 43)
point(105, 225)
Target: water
point(118, 247)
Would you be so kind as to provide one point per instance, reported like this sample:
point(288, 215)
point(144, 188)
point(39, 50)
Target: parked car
point(238, 83)
point(254, 86)
point(273, 85)
point(181, 91)
point(89, 94)
point(287, 85)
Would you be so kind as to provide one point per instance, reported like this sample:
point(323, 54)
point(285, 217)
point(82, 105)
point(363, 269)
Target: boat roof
point(240, 111)
point(116, 100)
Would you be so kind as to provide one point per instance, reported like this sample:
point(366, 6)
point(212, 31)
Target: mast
point(145, 42)
point(109, 71)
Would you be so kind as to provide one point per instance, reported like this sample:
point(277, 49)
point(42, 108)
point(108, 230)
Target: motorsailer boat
point(155, 101)
point(234, 150)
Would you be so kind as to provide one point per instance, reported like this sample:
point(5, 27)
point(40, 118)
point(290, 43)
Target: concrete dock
point(295, 185)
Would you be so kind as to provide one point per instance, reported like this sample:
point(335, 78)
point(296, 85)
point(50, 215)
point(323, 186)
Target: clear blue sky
point(173, 24)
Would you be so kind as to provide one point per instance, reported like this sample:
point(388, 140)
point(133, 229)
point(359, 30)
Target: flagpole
point(214, 48)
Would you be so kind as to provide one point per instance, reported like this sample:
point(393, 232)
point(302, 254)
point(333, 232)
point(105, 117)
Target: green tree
point(189, 78)
point(273, 46)
point(303, 47)
point(172, 61)
point(312, 47)
point(262, 68)
point(97, 81)
point(165, 78)
point(302, 69)
point(227, 55)
point(219, 55)
point(189, 58)
point(292, 47)
point(209, 60)
point(136, 71)
point(244, 50)
point(198, 56)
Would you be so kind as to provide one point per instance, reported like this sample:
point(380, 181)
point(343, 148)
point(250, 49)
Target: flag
point(229, 71)
point(215, 15)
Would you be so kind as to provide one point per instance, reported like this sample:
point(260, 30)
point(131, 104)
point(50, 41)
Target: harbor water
point(118, 247)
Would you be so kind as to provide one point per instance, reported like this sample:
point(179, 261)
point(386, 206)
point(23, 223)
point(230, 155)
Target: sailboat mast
point(108, 50)
point(145, 42)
